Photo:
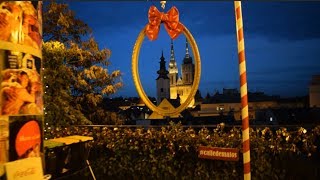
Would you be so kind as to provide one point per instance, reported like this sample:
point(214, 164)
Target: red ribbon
point(169, 19)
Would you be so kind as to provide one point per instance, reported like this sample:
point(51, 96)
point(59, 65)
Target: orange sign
point(28, 140)
point(226, 154)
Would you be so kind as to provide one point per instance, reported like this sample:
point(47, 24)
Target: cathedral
point(169, 84)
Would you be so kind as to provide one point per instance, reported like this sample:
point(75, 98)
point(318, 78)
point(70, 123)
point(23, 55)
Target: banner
point(21, 93)
point(218, 153)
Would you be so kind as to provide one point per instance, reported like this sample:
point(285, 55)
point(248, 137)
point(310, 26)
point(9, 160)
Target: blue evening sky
point(282, 41)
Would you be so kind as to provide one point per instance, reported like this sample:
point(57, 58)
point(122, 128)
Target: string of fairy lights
point(47, 126)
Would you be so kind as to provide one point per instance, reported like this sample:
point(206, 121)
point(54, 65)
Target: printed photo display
point(20, 23)
point(21, 87)
point(4, 134)
point(20, 57)
point(25, 138)
point(21, 104)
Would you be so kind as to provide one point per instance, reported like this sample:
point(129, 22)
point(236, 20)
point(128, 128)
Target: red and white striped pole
point(243, 91)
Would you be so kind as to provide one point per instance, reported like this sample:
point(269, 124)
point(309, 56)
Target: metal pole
point(92, 174)
point(243, 91)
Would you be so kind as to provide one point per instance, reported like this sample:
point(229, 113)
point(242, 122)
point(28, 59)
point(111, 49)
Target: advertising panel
point(21, 94)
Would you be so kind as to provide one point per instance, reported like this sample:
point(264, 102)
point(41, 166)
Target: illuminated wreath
point(151, 30)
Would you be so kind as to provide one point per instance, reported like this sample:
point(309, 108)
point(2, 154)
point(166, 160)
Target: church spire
point(187, 58)
point(172, 64)
point(187, 49)
point(163, 73)
point(173, 69)
point(172, 52)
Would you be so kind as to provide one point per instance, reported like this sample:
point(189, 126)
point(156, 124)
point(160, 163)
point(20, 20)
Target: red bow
point(170, 20)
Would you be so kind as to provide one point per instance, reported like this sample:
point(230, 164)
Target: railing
point(307, 126)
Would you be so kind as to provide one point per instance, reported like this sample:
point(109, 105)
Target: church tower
point(173, 69)
point(163, 82)
point(187, 68)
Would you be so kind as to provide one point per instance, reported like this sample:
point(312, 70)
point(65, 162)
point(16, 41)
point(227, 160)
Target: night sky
point(282, 41)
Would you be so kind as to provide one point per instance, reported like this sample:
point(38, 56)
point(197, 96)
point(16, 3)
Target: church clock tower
point(163, 82)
